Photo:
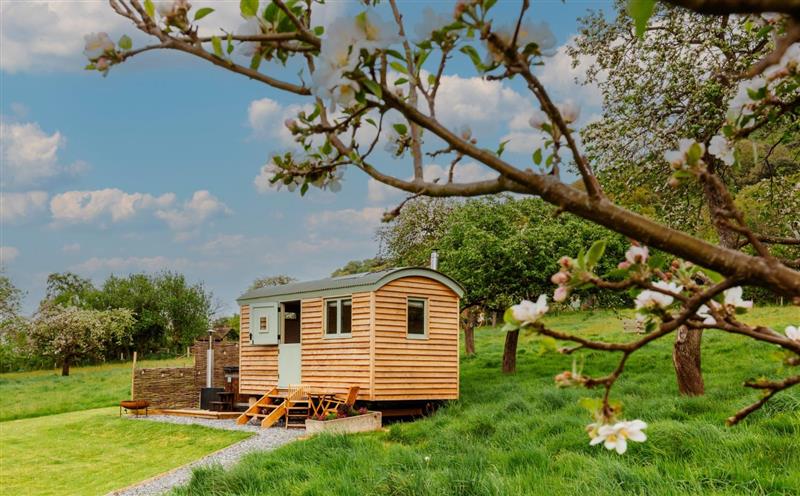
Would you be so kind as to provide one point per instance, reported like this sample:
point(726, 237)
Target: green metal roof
point(354, 283)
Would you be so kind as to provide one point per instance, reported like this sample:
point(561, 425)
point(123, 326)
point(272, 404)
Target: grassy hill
point(45, 392)
point(521, 435)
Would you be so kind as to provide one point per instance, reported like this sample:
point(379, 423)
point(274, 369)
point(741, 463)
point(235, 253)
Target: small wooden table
point(317, 402)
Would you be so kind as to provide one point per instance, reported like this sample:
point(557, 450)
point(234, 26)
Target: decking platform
point(196, 413)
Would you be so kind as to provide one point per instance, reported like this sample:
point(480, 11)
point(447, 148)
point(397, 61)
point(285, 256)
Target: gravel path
point(264, 440)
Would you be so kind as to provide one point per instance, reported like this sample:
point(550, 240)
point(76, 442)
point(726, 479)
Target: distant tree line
point(78, 322)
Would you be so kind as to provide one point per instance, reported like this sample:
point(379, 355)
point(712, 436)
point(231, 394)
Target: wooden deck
point(196, 413)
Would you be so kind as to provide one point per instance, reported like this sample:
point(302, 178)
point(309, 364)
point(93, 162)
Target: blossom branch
point(770, 389)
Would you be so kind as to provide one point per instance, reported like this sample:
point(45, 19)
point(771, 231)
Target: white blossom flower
point(431, 21)
point(528, 312)
point(345, 93)
point(654, 299)
point(793, 333)
point(569, 110)
point(791, 57)
point(636, 254)
point(560, 294)
point(733, 298)
point(96, 45)
point(539, 119)
point(677, 158)
point(705, 313)
point(540, 34)
point(250, 27)
point(742, 103)
point(615, 437)
point(373, 33)
point(722, 149)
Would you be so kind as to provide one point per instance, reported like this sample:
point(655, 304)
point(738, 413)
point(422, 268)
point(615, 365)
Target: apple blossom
point(251, 27)
point(569, 110)
point(742, 103)
point(793, 333)
point(636, 254)
point(705, 313)
point(624, 265)
point(677, 158)
point(538, 119)
point(722, 149)
point(560, 294)
point(733, 299)
point(373, 33)
point(615, 437)
point(655, 299)
point(431, 21)
point(96, 45)
point(559, 278)
point(528, 312)
point(565, 262)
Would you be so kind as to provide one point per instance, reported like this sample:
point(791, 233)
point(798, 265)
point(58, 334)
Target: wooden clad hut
point(392, 333)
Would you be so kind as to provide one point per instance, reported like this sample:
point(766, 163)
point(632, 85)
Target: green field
point(521, 435)
point(92, 452)
point(45, 392)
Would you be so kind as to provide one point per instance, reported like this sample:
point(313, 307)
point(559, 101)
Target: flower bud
point(565, 262)
point(623, 265)
point(560, 294)
point(559, 278)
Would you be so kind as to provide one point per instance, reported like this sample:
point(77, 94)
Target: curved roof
point(353, 283)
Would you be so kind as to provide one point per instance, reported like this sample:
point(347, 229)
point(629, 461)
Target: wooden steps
point(290, 405)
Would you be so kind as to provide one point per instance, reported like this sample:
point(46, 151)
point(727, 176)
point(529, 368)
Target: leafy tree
point(278, 280)
point(69, 289)
point(409, 242)
point(69, 334)
point(504, 250)
point(10, 299)
point(169, 312)
point(349, 80)
point(360, 266)
point(654, 92)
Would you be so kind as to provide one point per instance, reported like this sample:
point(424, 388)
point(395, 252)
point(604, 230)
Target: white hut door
point(288, 357)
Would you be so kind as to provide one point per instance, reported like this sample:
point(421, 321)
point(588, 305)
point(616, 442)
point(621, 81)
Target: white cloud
point(117, 264)
point(113, 203)
point(30, 155)
point(202, 206)
point(266, 118)
point(71, 248)
point(16, 207)
point(468, 172)
point(224, 244)
point(49, 35)
point(349, 220)
point(8, 254)
point(559, 78)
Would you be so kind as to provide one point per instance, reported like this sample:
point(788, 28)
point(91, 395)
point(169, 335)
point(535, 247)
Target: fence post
point(133, 373)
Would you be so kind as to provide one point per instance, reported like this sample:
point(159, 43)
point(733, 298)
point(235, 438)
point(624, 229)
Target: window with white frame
point(417, 317)
point(338, 316)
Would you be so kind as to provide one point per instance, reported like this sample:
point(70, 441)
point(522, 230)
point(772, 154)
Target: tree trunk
point(65, 367)
point(469, 339)
point(686, 358)
point(686, 352)
point(510, 352)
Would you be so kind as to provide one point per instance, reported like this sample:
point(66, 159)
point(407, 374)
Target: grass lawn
point(45, 392)
point(522, 435)
point(94, 451)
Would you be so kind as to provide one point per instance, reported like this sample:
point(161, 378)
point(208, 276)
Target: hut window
point(338, 316)
point(416, 317)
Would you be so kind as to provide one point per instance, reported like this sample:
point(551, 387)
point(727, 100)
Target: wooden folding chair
point(334, 403)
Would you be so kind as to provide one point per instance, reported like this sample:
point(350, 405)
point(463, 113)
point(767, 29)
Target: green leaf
point(488, 4)
point(502, 147)
point(125, 42)
point(370, 120)
point(230, 44)
point(694, 153)
point(421, 58)
point(319, 30)
point(474, 56)
point(217, 44)
point(271, 13)
point(658, 261)
point(641, 11)
point(400, 81)
point(595, 253)
point(616, 274)
point(398, 67)
point(303, 189)
point(373, 87)
point(400, 128)
point(395, 54)
point(255, 62)
point(249, 8)
point(202, 13)
point(150, 8)
point(431, 79)
point(327, 148)
point(537, 156)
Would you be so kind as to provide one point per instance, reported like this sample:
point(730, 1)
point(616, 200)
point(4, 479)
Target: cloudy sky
point(158, 165)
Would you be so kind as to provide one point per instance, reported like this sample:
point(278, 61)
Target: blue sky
point(156, 166)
